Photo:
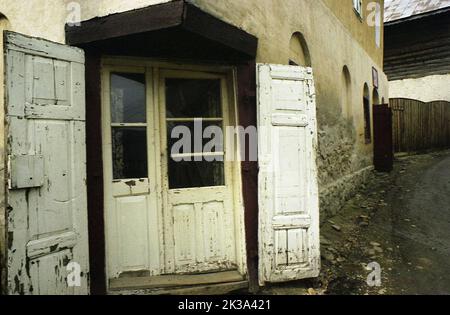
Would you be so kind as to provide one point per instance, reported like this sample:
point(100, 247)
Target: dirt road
point(407, 231)
point(400, 221)
point(420, 228)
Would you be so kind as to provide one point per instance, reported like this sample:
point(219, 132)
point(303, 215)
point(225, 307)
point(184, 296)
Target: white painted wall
point(426, 89)
point(46, 18)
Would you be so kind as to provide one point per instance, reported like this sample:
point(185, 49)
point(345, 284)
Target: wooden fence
point(419, 126)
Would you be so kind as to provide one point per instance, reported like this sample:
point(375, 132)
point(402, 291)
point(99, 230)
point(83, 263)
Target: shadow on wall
point(299, 51)
point(346, 94)
point(375, 97)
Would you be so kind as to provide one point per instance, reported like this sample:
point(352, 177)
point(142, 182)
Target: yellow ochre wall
point(335, 36)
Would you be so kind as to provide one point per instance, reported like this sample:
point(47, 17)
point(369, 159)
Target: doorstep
point(202, 284)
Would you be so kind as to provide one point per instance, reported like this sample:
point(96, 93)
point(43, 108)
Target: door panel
point(178, 217)
point(203, 227)
point(198, 195)
point(288, 189)
point(47, 224)
point(132, 228)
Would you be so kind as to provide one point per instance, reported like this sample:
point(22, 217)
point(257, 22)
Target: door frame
point(152, 68)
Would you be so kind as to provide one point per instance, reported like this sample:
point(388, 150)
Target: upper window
point(129, 126)
point(357, 5)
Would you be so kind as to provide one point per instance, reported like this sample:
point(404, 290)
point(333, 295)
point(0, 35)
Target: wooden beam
point(173, 281)
point(425, 65)
point(416, 74)
point(152, 18)
point(426, 53)
point(95, 184)
point(203, 24)
point(424, 45)
point(175, 15)
point(210, 289)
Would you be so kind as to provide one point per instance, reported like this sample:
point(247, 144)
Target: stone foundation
point(334, 195)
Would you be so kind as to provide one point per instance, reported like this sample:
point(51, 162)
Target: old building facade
point(342, 41)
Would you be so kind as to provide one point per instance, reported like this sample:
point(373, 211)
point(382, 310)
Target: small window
point(357, 5)
point(129, 126)
point(188, 103)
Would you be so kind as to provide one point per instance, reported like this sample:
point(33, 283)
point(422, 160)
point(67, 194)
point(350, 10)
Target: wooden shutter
point(45, 117)
point(288, 190)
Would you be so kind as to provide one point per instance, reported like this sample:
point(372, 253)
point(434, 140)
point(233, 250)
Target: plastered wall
point(342, 149)
point(426, 89)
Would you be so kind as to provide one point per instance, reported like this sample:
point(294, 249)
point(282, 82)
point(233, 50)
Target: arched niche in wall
point(298, 51)
point(367, 115)
point(375, 97)
point(4, 23)
point(346, 80)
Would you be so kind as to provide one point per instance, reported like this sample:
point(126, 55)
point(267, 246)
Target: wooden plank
point(94, 166)
point(420, 126)
point(246, 101)
point(43, 48)
point(213, 289)
point(131, 283)
point(48, 221)
point(280, 202)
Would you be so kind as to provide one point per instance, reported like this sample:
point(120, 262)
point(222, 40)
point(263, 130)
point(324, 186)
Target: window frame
point(225, 119)
point(125, 125)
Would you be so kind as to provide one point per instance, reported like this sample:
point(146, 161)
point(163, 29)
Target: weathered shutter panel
point(47, 207)
point(288, 190)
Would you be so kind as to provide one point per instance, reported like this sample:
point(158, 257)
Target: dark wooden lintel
point(179, 15)
point(133, 22)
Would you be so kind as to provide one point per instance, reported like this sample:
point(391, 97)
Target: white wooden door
point(47, 208)
point(130, 158)
point(288, 189)
point(166, 217)
point(199, 227)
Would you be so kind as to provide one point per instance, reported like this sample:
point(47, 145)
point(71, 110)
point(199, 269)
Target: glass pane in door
point(128, 124)
point(128, 98)
point(188, 102)
point(193, 98)
point(129, 153)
